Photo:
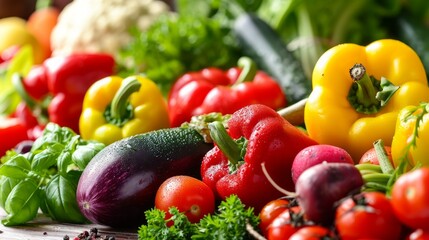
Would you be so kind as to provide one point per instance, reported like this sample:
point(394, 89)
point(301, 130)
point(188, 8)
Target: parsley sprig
point(229, 222)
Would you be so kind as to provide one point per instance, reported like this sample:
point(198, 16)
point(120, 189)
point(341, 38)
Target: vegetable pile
point(218, 119)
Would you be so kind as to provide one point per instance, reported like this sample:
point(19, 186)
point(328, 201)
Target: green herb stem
point(383, 159)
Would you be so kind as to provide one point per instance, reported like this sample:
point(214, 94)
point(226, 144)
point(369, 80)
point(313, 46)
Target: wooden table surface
point(42, 228)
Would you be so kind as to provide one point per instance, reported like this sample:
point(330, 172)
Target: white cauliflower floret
point(102, 25)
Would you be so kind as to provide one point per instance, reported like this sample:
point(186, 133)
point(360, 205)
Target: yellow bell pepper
point(358, 92)
point(115, 108)
point(410, 144)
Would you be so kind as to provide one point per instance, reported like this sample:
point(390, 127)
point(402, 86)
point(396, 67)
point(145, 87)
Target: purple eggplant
point(120, 182)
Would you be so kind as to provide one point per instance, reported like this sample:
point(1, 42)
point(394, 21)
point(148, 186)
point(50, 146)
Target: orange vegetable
point(41, 23)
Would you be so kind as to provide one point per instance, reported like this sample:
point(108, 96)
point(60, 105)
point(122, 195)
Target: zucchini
point(119, 184)
point(259, 41)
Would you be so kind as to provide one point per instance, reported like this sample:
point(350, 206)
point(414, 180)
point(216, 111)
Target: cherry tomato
point(368, 215)
point(270, 211)
point(410, 198)
point(370, 156)
point(190, 195)
point(286, 224)
point(312, 233)
point(418, 234)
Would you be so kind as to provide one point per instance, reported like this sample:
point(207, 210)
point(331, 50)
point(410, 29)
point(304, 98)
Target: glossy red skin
point(20, 126)
point(418, 234)
point(270, 211)
point(65, 110)
point(211, 90)
point(188, 194)
point(66, 79)
point(370, 156)
point(270, 139)
point(410, 198)
point(35, 82)
point(282, 227)
point(12, 132)
point(316, 154)
point(30, 121)
point(311, 233)
point(373, 220)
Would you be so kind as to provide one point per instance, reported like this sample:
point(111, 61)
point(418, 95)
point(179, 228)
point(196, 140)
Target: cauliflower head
point(102, 25)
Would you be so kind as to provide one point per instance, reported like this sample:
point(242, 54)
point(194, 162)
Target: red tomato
point(368, 215)
point(190, 195)
point(418, 234)
point(270, 211)
point(285, 224)
point(370, 156)
point(410, 198)
point(314, 232)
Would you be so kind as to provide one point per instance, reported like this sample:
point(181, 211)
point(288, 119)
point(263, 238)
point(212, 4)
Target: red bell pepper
point(20, 126)
point(256, 134)
point(65, 79)
point(12, 132)
point(215, 90)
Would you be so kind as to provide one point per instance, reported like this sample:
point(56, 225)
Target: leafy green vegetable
point(46, 178)
point(229, 222)
point(22, 203)
point(312, 27)
point(176, 44)
point(21, 63)
point(157, 226)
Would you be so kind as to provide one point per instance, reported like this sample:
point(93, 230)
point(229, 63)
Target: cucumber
point(415, 34)
point(119, 184)
point(259, 41)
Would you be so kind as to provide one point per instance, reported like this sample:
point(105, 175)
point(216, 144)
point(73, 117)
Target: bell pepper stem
point(225, 143)
point(383, 159)
point(366, 93)
point(248, 72)
point(119, 103)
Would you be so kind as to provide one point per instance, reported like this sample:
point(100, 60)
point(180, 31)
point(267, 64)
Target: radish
point(317, 154)
point(320, 187)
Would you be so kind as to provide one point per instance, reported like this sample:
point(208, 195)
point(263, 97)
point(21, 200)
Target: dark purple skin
point(24, 146)
point(120, 182)
point(321, 186)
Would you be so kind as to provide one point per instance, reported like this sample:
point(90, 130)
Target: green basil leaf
point(46, 158)
point(6, 186)
point(63, 161)
point(19, 160)
point(13, 172)
point(53, 134)
point(84, 153)
point(60, 199)
point(22, 203)
point(16, 167)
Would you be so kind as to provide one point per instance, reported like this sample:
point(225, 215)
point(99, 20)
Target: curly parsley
point(229, 222)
